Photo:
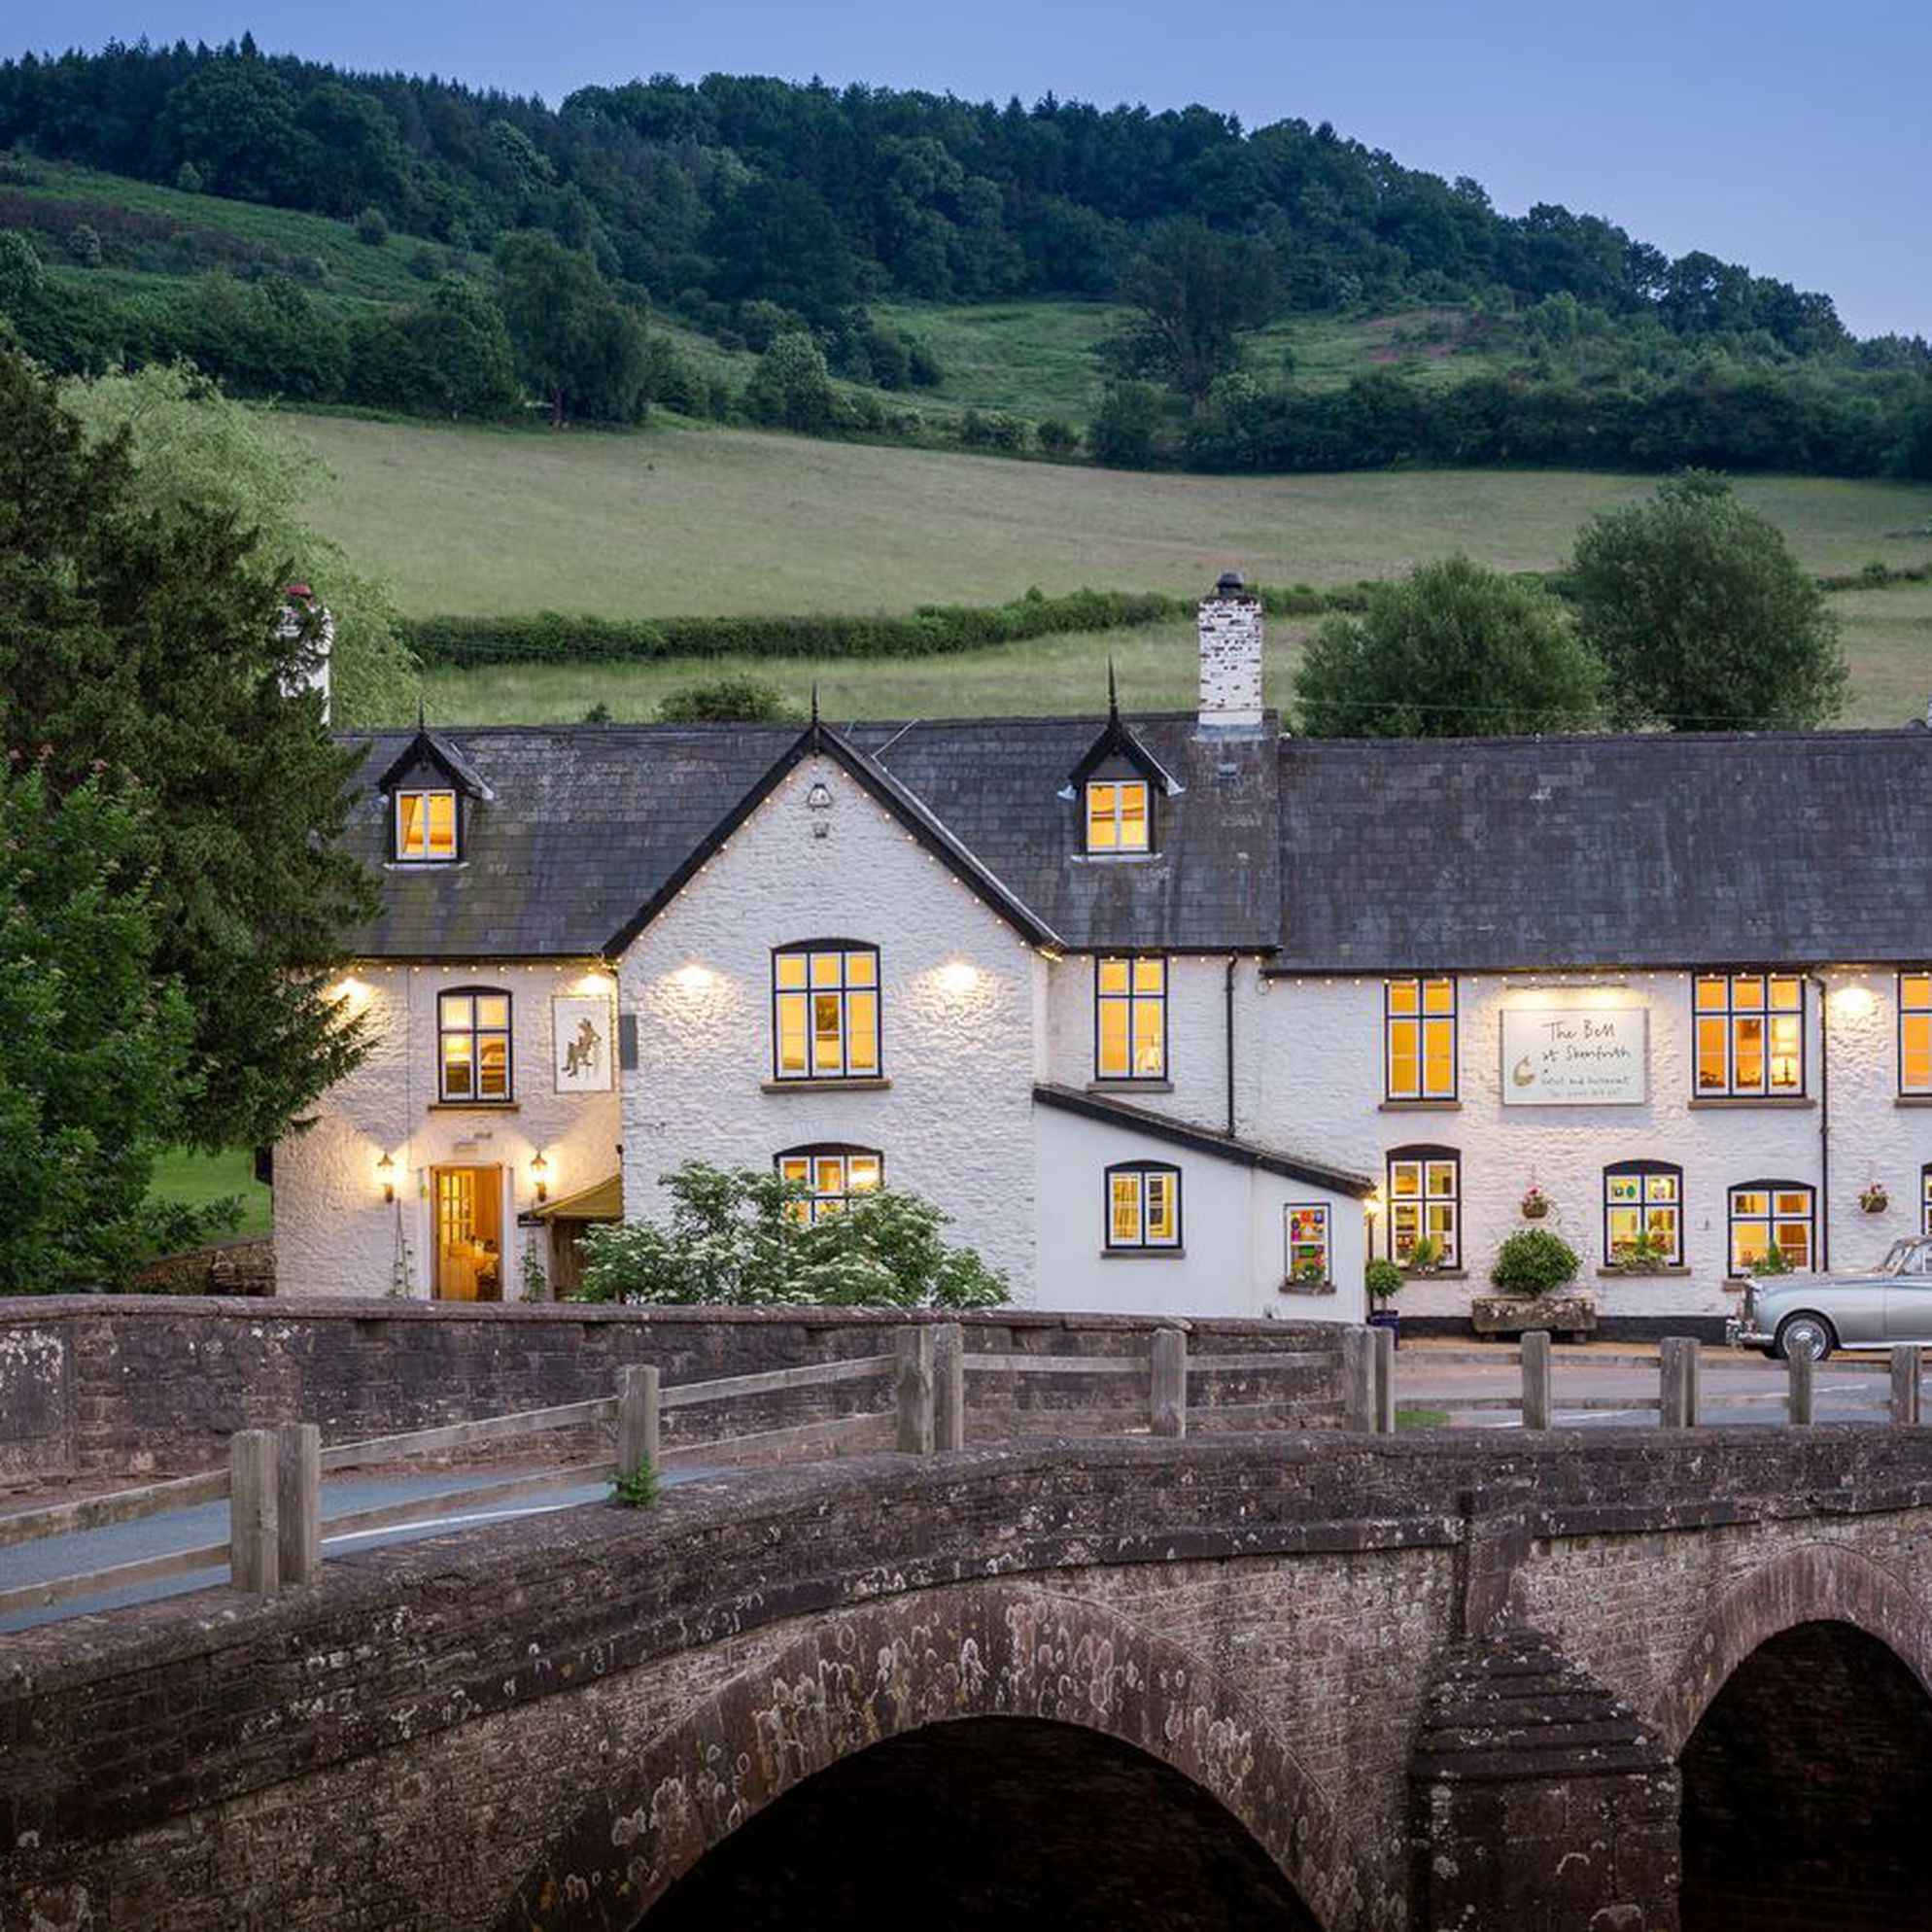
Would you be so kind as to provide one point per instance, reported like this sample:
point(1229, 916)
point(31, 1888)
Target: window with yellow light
point(1130, 1018)
point(1750, 1035)
point(1118, 816)
point(1419, 1037)
point(424, 827)
point(826, 1011)
point(1143, 1206)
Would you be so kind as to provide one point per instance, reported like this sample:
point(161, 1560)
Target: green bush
point(1383, 1279)
point(725, 701)
point(372, 228)
point(1534, 1262)
point(739, 1237)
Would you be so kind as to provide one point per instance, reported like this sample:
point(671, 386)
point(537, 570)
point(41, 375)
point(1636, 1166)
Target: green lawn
point(1034, 358)
point(679, 519)
point(197, 1178)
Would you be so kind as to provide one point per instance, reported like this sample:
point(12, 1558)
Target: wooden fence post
point(1536, 1365)
point(638, 1418)
point(1382, 1404)
point(254, 1559)
point(1167, 1391)
point(298, 1503)
point(1678, 1395)
point(913, 1391)
point(949, 1386)
point(1798, 1401)
point(1907, 1365)
point(1358, 1379)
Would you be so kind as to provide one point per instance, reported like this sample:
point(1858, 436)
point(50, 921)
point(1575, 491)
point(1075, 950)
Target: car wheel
point(1806, 1337)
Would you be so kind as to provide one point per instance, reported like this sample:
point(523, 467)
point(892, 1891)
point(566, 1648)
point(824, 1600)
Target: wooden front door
point(468, 1233)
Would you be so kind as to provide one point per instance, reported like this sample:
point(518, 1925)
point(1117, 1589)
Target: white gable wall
point(962, 995)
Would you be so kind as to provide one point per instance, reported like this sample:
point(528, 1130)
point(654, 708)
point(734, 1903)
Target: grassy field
point(198, 1179)
point(685, 519)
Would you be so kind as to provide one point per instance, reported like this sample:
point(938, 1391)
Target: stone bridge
point(1621, 1680)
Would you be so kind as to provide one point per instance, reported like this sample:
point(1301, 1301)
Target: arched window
point(1425, 1198)
point(1644, 1213)
point(825, 1010)
point(1771, 1214)
point(473, 1058)
point(831, 1172)
point(1143, 1206)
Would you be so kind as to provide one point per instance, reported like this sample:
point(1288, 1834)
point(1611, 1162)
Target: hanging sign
point(580, 1034)
point(1575, 1056)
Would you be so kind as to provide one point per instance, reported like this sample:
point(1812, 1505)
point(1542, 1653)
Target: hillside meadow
point(685, 519)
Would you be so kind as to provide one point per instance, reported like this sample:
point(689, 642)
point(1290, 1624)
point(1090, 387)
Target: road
point(1736, 1387)
point(208, 1523)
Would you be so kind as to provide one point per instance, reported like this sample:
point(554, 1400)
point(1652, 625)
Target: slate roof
point(1365, 855)
point(1685, 849)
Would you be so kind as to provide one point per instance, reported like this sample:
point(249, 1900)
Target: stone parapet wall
point(95, 1386)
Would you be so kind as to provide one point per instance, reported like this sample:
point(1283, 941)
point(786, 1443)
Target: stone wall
point(97, 1386)
point(243, 1265)
point(525, 1726)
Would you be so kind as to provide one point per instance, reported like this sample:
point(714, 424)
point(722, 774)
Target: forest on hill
point(771, 219)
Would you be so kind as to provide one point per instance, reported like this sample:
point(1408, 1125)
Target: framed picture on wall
point(582, 1037)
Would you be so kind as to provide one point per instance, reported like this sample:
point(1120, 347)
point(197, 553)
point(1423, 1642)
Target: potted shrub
point(1533, 1269)
point(1384, 1282)
point(1644, 1255)
point(1425, 1255)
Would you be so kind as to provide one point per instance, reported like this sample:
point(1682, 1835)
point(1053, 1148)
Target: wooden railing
point(1679, 1402)
point(273, 1482)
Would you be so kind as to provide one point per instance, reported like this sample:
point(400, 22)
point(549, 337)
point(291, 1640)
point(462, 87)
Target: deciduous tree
point(1450, 650)
point(1703, 617)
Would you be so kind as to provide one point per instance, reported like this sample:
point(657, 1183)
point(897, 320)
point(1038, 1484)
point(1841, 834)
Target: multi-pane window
point(1751, 1034)
point(1419, 1028)
point(825, 1010)
point(1914, 1032)
point(424, 827)
point(1116, 816)
point(473, 1044)
point(1307, 1241)
point(1426, 1204)
point(1144, 1205)
point(1644, 1213)
point(831, 1176)
point(1767, 1215)
point(1130, 1018)
point(1925, 1198)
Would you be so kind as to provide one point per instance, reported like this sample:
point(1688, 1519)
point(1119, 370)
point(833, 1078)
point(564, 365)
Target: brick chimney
point(304, 619)
point(1230, 645)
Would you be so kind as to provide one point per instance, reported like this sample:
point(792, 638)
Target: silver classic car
point(1813, 1314)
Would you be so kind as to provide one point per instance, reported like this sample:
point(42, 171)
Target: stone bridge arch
point(862, 1677)
point(1817, 1582)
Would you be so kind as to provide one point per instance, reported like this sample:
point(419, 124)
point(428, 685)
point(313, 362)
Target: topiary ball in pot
point(1534, 1262)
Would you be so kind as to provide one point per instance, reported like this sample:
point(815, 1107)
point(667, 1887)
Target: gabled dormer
point(1116, 790)
point(429, 793)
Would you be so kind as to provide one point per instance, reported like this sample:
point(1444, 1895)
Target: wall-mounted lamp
point(958, 977)
point(385, 1173)
point(1373, 1203)
point(540, 1172)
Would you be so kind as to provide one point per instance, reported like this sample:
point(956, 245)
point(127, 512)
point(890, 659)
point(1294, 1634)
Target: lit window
point(473, 1044)
point(1914, 1032)
point(825, 1010)
point(1426, 1204)
point(1130, 1018)
point(1307, 1244)
point(1419, 1026)
point(1116, 816)
point(424, 827)
point(1771, 1213)
point(831, 1176)
point(1643, 1206)
point(1751, 1034)
point(1144, 1206)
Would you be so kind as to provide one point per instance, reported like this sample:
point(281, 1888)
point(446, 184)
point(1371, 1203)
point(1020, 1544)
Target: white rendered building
point(1170, 1013)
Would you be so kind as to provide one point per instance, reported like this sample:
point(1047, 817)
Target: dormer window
point(1117, 817)
point(424, 827)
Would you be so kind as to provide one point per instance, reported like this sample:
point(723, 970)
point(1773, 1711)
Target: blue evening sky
point(1791, 137)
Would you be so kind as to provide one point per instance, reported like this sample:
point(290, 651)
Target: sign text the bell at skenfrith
point(1575, 1056)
